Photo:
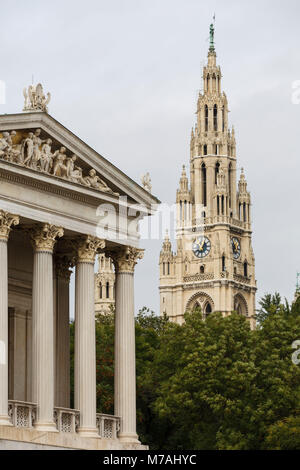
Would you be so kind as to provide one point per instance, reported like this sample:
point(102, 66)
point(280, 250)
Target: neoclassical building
point(59, 201)
point(214, 266)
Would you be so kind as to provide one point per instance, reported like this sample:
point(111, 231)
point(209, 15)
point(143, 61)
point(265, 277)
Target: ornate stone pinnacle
point(87, 248)
point(6, 222)
point(44, 236)
point(126, 259)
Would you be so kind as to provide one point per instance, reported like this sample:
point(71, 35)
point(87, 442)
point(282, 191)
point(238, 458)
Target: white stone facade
point(51, 221)
point(214, 266)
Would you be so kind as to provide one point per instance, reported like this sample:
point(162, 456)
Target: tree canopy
point(212, 384)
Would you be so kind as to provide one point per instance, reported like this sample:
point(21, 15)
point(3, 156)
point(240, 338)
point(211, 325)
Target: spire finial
point(211, 38)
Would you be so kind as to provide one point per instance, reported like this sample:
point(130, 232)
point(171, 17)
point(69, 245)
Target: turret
point(243, 199)
point(183, 200)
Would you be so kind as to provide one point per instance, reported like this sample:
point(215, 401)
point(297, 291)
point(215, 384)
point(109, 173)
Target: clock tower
point(214, 266)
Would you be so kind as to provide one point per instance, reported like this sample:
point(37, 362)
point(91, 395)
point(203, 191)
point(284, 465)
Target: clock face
point(201, 247)
point(236, 247)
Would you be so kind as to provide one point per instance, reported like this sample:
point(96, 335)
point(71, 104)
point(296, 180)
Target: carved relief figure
point(27, 149)
point(46, 158)
point(146, 182)
point(95, 182)
point(74, 173)
point(60, 168)
point(35, 153)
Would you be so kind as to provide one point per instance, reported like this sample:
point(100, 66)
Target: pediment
point(37, 142)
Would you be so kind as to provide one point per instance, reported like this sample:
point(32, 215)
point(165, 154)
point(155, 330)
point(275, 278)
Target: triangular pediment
point(37, 142)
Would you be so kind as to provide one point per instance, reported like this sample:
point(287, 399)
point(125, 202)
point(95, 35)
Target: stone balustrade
point(22, 414)
point(66, 419)
point(199, 277)
point(108, 426)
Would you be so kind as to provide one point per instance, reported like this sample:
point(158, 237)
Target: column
point(6, 222)
point(43, 239)
point(125, 374)
point(62, 331)
point(85, 341)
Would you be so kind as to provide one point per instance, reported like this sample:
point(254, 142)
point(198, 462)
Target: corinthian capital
point(44, 236)
point(6, 222)
point(126, 259)
point(87, 248)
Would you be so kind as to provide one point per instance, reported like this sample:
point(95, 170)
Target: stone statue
point(27, 149)
point(35, 100)
point(4, 145)
point(60, 168)
point(37, 142)
point(146, 182)
point(74, 173)
point(46, 157)
point(95, 182)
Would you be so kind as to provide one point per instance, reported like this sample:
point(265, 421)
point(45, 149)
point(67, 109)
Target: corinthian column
point(43, 239)
point(62, 331)
point(6, 221)
point(125, 374)
point(85, 341)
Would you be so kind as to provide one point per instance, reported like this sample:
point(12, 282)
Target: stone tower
point(104, 286)
point(214, 266)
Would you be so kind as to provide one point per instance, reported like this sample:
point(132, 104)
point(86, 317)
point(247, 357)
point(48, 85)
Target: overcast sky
point(124, 76)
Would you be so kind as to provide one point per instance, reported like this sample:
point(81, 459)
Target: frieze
point(31, 151)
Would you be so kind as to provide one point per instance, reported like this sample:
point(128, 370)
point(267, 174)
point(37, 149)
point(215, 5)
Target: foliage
point(211, 384)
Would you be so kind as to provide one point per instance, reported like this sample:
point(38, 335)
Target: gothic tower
point(214, 266)
point(104, 286)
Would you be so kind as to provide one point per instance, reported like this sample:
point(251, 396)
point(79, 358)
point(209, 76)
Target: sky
point(124, 76)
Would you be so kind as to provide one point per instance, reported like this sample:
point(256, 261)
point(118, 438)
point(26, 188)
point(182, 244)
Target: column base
point(132, 438)
point(45, 427)
point(5, 421)
point(88, 432)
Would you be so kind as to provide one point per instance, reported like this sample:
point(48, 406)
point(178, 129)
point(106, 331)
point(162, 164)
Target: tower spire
point(212, 38)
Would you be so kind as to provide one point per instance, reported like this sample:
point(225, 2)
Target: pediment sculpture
point(36, 153)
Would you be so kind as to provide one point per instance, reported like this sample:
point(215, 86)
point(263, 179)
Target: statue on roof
point(35, 100)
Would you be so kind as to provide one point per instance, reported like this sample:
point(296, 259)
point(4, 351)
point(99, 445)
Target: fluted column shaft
point(125, 370)
point(62, 361)
point(85, 341)
point(42, 323)
point(6, 221)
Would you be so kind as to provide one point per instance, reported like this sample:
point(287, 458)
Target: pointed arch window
point(203, 174)
point(107, 290)
point(205, 149)
point(246, 269)
point(217, 169)
point(223, 119)
point(202, 269)
point(223, 263)
point(215, 117)
point(100, 290)
point(206, 117)
point(229, 182)
point(164, 269)
point(208, 309)
point(168, 269)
